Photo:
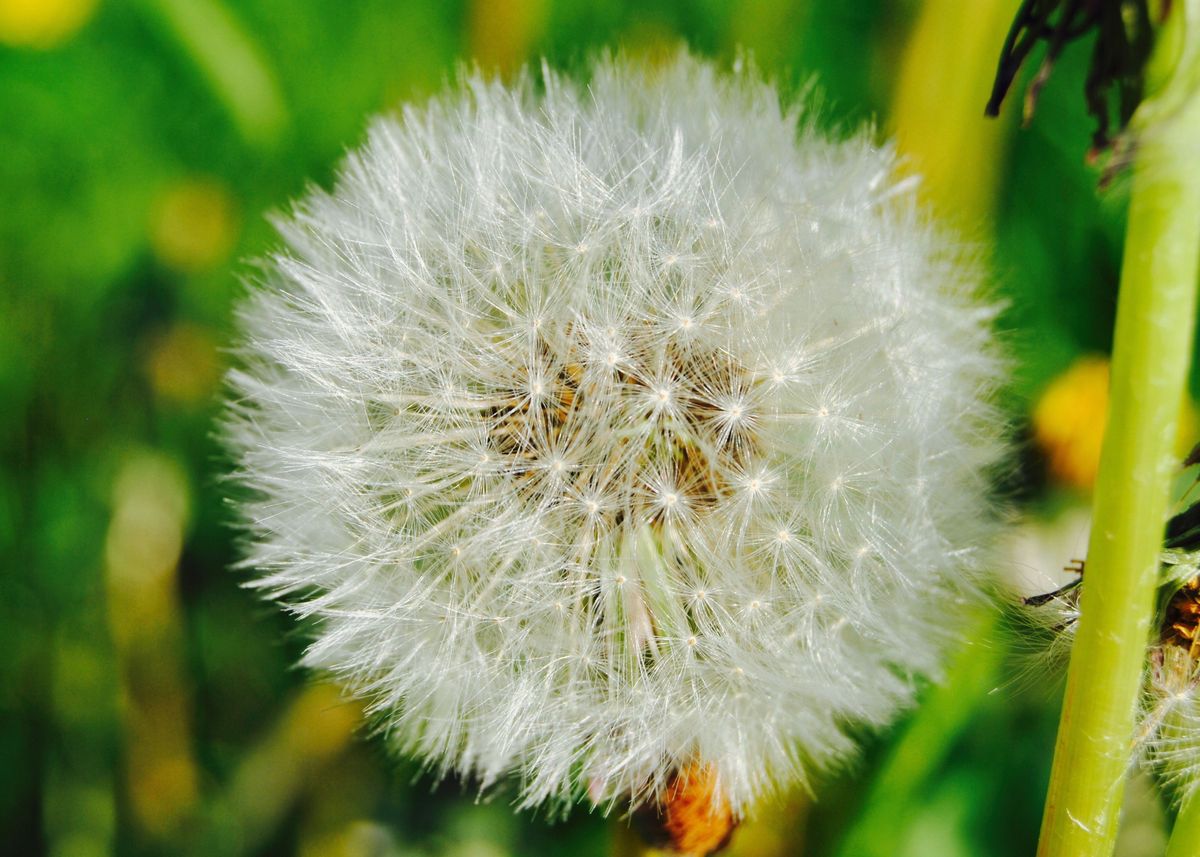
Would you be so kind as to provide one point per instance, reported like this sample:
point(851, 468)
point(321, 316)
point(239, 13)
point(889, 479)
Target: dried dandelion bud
point(691, 817)
point(601, 429)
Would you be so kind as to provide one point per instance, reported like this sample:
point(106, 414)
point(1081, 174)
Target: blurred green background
point(148, 704)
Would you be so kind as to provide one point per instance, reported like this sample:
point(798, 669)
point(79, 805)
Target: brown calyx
point(692, 817)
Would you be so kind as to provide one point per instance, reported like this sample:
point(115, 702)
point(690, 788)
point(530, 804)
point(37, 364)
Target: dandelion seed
point(609, 411)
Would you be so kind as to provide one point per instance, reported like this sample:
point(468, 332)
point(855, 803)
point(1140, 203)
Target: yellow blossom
point(42, 23)
point(194, 225)
point(1069, 420)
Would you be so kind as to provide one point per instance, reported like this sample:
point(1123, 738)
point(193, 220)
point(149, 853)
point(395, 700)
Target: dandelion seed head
point(785, 478)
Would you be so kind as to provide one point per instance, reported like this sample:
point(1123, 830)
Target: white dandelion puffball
point(606, 429)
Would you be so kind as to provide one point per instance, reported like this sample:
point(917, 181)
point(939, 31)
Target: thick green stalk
point(1151, 352)
point(1185, 837)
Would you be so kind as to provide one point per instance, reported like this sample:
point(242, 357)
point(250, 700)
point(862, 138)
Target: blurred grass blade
point(316, 728)
point(142, 552)
point(926, 743)
point(232, 63)
point(935, 113)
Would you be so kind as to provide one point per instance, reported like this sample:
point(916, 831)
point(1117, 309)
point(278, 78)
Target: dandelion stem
point(1186, 832)
point(1151, 350)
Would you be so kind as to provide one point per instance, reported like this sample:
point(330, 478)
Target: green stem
point(1185, 836)
point(1152, 345)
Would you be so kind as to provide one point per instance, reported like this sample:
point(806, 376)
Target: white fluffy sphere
point(606, 429)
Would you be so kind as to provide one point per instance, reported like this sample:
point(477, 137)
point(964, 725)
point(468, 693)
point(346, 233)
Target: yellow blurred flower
point(42, 23)
point(1069, 420)
point(183, 364)
point(194, 224)
point(359, 838)
point(503, 32)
